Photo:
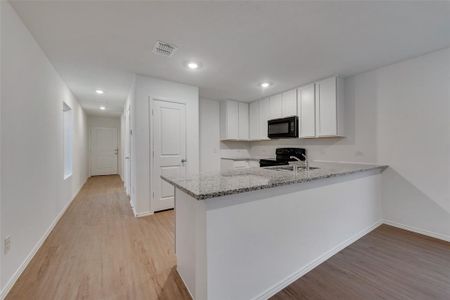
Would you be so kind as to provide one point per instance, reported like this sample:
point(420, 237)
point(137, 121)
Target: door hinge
point(153, 154)
point(153, 112)
point(153, 195)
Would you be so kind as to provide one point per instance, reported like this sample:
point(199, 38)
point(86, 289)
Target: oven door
point(283, 128)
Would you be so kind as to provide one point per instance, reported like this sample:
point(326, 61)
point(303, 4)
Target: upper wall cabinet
point(276, 106)
point(234, 122)
point(243, 121)
point(289, 103)
point(264, 116)
point(307, 111)
point(320, 109)
point(255, 123)
point(318, 105)
point(259, 115)
point(283, 105)
point(329, 104)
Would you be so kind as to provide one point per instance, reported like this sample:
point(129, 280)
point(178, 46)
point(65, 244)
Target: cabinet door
point(326, 105)
point(275, 107)
point(254, 121)
point(289, 103)
point(264, 113)
point(229, 120)
point(243, 121)
point(306, 111)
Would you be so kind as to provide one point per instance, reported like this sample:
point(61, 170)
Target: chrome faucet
point(306, 161)
point(299, 160)
point(296, 158)
point(295, 166)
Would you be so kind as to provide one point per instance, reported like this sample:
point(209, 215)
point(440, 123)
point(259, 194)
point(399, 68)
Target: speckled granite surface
point(240, 158)
point(205, 186)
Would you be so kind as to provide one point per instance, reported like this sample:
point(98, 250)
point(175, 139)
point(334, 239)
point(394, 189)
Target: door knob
point(183, 161)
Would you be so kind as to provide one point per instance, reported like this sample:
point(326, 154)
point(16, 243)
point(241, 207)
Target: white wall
point(2, 25)
point(150, 88)
point(209, 136)
point(106, 122)
point(33, 190)
point(414, 140)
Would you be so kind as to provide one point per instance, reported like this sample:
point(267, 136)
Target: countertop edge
point(268, 186)
point(243, 158)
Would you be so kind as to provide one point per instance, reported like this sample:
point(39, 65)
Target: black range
point(283, 157)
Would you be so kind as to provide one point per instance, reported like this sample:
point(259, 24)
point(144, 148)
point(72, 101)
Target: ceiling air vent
point(163, 48)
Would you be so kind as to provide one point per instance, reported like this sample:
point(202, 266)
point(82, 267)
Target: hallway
point(99, 250)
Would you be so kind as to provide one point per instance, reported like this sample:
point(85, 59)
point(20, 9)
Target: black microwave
point(283, 128)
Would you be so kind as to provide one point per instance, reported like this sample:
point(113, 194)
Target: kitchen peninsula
point(246, 234)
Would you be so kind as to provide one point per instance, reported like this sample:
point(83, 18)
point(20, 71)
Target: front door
point(104, 151)
point(169, 150)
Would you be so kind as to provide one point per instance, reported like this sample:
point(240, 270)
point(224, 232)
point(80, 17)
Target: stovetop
point(283, 157)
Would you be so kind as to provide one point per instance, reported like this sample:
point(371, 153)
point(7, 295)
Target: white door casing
point(127, 151)
point(168, 150)
point(104, 151)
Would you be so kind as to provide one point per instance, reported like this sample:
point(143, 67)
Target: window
point(68, 140)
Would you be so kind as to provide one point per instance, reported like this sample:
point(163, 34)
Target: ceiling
point(101, 44)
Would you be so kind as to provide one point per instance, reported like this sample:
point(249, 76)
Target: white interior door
point(104, 151)
point(169, 150)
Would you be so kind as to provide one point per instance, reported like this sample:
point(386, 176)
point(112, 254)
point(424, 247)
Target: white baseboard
point(36, 247)
point(143, 214)
point(418, 230)
point(296, 275)
point(185, 285)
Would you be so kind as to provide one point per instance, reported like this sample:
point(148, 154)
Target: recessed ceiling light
point(265, 85)
point(100, 92)
point(102, 107)
point(192, 65)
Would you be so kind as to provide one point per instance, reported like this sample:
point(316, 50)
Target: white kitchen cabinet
point(329, 107)
point(307, 111)
point(243, 121)
point(259, 115)
point(254, 117)
point(264, 116)
point(289, 103)
point(229, 120)
point(276, 106)
point(318, 105)
point(320, 109)
point(233, 120)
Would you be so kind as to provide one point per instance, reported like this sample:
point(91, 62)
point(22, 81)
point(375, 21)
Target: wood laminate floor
point(99, 250)
point(388, 263)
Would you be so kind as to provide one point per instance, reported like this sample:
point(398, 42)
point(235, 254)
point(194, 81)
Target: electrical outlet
point(7, 244)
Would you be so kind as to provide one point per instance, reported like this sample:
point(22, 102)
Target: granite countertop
point(239, 158)
point(205, 186)
point(244, 158)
